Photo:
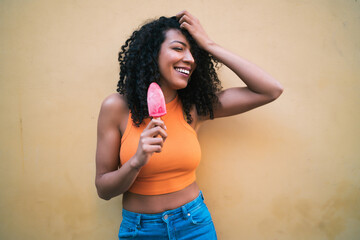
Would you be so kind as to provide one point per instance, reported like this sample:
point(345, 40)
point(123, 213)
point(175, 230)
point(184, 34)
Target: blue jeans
point(190, 221)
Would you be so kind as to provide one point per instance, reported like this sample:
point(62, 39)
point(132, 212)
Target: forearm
point(114, 183)
point(253, 76)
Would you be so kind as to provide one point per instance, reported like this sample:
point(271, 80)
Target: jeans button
point(166, 217)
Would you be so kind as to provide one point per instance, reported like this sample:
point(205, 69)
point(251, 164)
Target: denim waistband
point(183, 210)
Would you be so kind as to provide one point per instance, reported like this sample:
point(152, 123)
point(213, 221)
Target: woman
point(152, 162)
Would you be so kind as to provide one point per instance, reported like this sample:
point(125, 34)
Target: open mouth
point(183, 70)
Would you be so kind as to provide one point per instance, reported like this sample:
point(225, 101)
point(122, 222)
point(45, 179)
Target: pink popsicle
point(156, 101)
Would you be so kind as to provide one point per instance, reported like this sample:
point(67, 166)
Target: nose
point(188, 57)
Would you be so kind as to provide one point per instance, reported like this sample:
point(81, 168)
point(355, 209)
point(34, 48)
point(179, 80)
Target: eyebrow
point(177, 41)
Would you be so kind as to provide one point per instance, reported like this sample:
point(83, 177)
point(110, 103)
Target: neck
point(169, 94)
point(169, 98)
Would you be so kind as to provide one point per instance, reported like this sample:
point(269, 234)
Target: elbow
point(278, 90)
point(103, 196)
point(101, 193)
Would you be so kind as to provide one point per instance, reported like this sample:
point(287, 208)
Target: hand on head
point(193, 26)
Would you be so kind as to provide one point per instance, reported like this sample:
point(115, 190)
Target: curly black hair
point(138, 60)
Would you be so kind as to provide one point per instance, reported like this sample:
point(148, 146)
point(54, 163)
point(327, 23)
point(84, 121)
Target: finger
point(150, 145)
point(180, 14)
point(155, 122)
point(159, 122)
point(155, 131)
point(160, 132)
point(188, 14)
point(184, 13)
point(153, 141)
point(185, 18)
point(186, 26)
point(152, 148)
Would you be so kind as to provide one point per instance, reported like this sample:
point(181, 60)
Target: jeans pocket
point(127, 230)
point(200, 215)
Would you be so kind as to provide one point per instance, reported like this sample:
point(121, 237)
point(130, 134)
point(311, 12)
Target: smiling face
point(176, 63)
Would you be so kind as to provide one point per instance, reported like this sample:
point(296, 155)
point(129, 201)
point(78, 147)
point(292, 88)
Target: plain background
point(286, 171)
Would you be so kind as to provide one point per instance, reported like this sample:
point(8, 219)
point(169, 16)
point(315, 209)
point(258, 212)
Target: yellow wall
point(289, 170)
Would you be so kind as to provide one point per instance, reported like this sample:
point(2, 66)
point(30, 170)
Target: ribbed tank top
point(174, 167)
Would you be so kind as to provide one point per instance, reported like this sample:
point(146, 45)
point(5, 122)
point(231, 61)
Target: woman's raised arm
point(260, 88)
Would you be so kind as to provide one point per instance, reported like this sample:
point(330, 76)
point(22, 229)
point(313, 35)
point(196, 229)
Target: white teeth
point(182, 70)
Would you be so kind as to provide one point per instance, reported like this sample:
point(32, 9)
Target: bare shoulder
point(114, 102)
point(114, 105)
point(114, 110)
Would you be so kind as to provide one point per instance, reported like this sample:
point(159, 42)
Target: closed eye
point(178, 48)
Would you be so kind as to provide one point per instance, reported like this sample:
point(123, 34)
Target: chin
point(181, 85)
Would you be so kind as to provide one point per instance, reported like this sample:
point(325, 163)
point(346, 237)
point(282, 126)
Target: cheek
point(167, 61)
point(163, 68)
point(171, 57)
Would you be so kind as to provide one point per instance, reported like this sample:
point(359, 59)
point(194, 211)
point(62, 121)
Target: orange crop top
point(174, 167)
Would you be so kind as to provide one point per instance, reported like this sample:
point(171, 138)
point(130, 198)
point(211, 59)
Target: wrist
point(134, 164)
point(209, 46)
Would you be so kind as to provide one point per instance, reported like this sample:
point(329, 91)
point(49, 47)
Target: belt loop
point(138, 221)
point(185, 212)
point(202, 195)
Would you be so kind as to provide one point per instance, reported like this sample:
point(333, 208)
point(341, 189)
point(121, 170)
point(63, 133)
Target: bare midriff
point(159, 203)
